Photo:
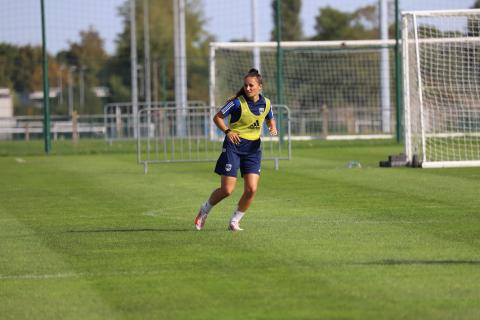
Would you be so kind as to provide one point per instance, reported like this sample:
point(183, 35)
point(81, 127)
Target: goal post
point(441, 87)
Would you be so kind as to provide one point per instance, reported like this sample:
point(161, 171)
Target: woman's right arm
point(218, 120)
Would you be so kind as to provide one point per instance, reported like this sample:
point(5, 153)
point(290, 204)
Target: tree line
point(85, 64)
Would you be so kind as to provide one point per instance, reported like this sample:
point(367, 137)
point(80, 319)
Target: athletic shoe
point(234, 226)
point(200, 219)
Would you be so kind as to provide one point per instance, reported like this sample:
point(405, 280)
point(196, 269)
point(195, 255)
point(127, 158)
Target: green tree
point(86, 61)
point(476, 5)
point(89, 53)
point(162, 44)
point(26, 61)
point(21, 70)
point(291, 24)
point(7, 56)
point(332, 24)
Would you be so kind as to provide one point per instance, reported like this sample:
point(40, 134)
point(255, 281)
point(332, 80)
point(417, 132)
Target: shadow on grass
point(137, 230)
point(420, 262)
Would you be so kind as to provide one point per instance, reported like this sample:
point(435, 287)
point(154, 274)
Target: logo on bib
point(255, 125)
point(228, 167)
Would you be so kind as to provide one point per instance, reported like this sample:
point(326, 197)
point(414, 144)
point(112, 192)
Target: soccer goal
point(441, 62)
point(335, 89)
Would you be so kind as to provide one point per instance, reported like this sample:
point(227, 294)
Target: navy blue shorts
point(246, 156)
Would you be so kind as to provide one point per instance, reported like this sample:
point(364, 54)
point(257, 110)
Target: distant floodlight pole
point(384, 67)
point(82, 86)
point(256, 50)
point(398, 73)
point(180, 65)
point(146, 40)
point(60, 83)
point(133, 66)
point(148, 68)
point(70, 69)
point(278, 23)
point(46, 89)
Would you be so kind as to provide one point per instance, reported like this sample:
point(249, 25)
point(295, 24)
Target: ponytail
point(251, 73)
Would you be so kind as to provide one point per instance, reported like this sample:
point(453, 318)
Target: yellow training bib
point(249, 126)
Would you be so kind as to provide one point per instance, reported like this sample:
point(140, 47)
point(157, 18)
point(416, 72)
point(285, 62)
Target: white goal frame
point(421, 125)
point(284, 44)
point(323, 120)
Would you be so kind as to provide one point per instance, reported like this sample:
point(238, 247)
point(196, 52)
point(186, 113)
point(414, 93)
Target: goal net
point(335, 89)
point(441, 60)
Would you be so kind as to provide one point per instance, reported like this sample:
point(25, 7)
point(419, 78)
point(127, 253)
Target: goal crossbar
point(303, 44)
point(433, 13)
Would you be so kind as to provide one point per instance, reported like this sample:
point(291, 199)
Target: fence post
point(75, 127)
point(324, 121)
point(118, 122)
point(27, 132)
point(303, 125)
point(350, 117)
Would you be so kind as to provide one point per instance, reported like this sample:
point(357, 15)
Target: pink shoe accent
point(200, 220)
point(234, 226)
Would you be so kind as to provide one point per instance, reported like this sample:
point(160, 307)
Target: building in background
point(6, 112)
point(6, 103)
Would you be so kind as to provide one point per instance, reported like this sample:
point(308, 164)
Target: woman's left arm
point(272, 126)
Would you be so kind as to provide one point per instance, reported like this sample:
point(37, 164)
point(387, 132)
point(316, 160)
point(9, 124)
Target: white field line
point(73, 275)
point(353, 221)
point(163, 211)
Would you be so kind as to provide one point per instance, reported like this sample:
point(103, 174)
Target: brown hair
point(251, 73)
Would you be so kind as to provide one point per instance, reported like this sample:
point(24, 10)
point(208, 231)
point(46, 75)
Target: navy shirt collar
point(261, 100)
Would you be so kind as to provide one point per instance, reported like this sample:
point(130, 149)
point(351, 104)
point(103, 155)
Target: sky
point(226, 19)
point(310, 9)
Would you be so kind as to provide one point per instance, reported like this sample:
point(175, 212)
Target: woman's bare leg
point(249, 191)
point(227, 186)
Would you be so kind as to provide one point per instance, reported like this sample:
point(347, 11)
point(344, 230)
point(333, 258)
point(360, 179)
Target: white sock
point(237, 216)
point(206, 207)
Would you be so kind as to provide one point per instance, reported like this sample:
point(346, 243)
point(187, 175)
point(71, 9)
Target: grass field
point(86, 235)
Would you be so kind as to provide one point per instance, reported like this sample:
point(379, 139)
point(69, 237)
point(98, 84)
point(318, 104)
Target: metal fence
point(339, 124)
point(117, 124)
point(118, 117)
point(159, 140)
point(62, 127)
